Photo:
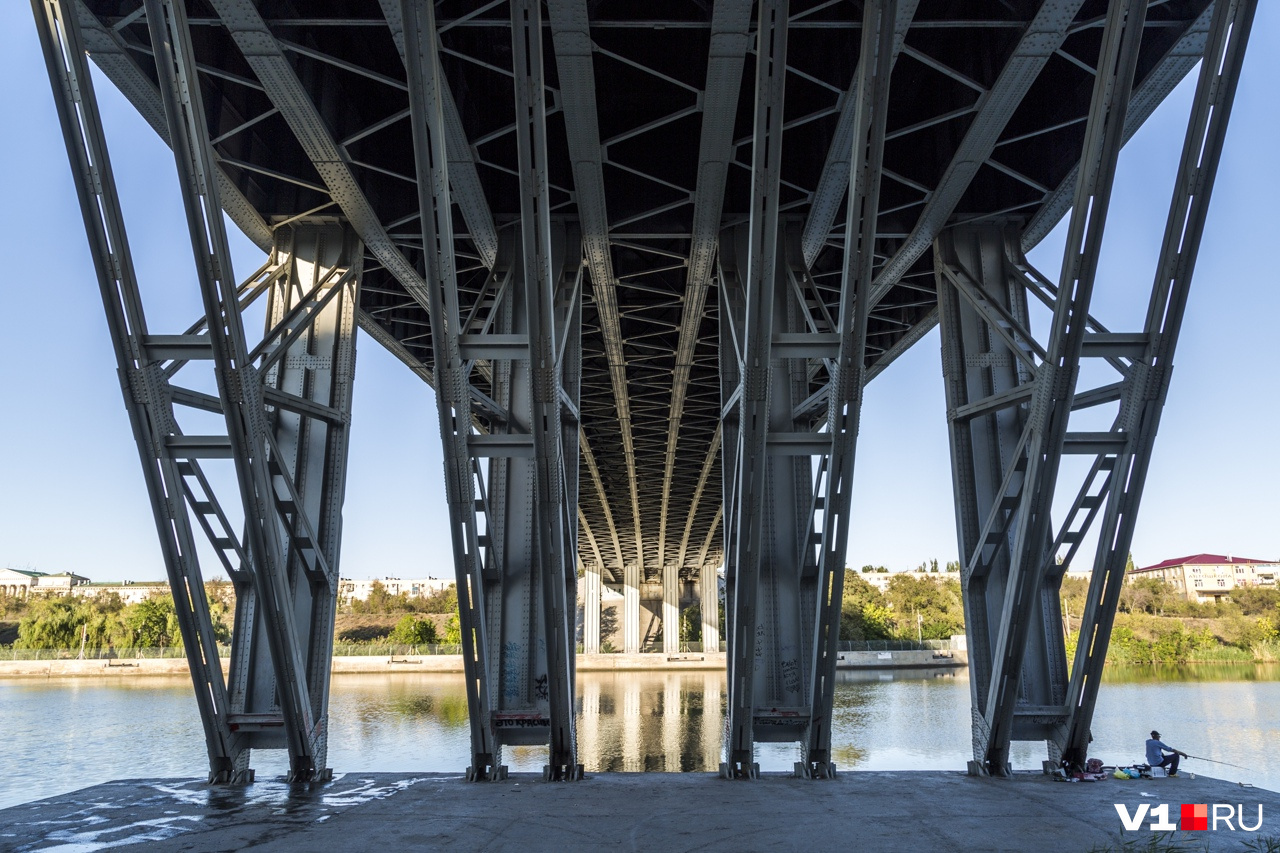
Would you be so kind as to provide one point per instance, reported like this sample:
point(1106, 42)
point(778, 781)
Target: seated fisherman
point(1156, 754)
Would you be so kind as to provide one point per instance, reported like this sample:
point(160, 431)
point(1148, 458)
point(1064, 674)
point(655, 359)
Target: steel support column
point(285, 401)
point(985, 359)
point(1144, 389)
point(146, 394)
point(266, 488)
point(1009, 400)
point(453, 398)
point(760, 266)
point(591, 597)
point(307, 365)
point(512, 491)
point(996, 383)
point(833, 490)
point(555, 510)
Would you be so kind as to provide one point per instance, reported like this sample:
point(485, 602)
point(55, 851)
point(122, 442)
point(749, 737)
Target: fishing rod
point(1216, 761)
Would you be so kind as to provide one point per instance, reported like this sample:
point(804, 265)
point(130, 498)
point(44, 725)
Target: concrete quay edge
point(453, 663)
point(906, 811)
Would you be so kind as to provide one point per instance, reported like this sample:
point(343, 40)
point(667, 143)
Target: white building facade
point(359, 589)
point(1211, 577)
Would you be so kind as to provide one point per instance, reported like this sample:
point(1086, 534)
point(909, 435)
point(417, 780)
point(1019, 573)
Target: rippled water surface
point(60, 734)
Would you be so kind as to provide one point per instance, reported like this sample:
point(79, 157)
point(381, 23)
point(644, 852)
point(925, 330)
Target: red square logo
point(1195, 816)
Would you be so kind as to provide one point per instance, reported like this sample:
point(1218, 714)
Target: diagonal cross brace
point(146, 394)
point(453, 401)
point(849, 377)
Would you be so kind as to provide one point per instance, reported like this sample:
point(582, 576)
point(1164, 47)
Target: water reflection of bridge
point(683, 713)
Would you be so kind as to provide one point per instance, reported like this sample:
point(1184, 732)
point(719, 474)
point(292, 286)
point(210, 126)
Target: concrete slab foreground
point(881, 811)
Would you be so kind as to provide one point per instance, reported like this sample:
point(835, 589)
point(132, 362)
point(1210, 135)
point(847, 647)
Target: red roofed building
point(1210, 577)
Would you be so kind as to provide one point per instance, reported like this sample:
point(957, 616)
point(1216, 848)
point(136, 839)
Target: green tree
point(151, 623)
point(933, 607)
point(863, 611)
point(62, 623)
point(413, 631)
point(453, 631)
point(1146, 595)
point(1257, 600)
point(381, 601)
point(691, 624)
point(440, 601)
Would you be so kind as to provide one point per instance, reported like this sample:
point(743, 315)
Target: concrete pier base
point(890, 811)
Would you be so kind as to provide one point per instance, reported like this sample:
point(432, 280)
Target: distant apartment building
point(880, 580)
point(358, 590)
point(130, 592)
point(20, 583)
point(1210, 577)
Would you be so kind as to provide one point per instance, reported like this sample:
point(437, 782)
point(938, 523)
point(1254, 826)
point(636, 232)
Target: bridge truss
point(669, 246)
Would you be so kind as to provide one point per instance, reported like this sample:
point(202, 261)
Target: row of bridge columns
point(641, 609)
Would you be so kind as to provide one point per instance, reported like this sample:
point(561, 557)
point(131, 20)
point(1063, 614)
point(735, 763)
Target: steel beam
point(109, 52)
point(264, 55)
point(848, 377)
point(573, 50)
point(761, 265)
point(1151, 92)
point(730, 40)
point(1042, 37)
point(465, 189)
point(833, 185)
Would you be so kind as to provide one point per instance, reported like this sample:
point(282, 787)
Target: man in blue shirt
point(1156, 754)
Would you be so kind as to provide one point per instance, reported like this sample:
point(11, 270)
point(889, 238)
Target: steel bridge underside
point(676, 178)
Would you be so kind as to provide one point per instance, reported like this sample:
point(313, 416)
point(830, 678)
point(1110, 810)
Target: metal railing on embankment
point(393, 650)
point(166, 653)
point(361, 650)
point(899, 646)
point(171, 652)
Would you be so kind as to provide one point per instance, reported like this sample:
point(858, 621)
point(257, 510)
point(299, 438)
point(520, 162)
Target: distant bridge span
point(648, 255)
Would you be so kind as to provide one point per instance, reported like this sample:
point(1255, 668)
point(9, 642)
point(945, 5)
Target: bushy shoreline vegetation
point(105, 622)
point(1156, 625)
point(910, 608)
point(1153, 625)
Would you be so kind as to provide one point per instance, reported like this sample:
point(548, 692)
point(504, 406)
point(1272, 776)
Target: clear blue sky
point(71, 494)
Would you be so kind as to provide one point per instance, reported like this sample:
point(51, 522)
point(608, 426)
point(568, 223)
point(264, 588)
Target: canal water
point(57, 735)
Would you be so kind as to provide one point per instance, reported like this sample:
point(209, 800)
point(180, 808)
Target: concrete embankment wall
point(901, 660)
point(453, 663)
point(94, 668)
